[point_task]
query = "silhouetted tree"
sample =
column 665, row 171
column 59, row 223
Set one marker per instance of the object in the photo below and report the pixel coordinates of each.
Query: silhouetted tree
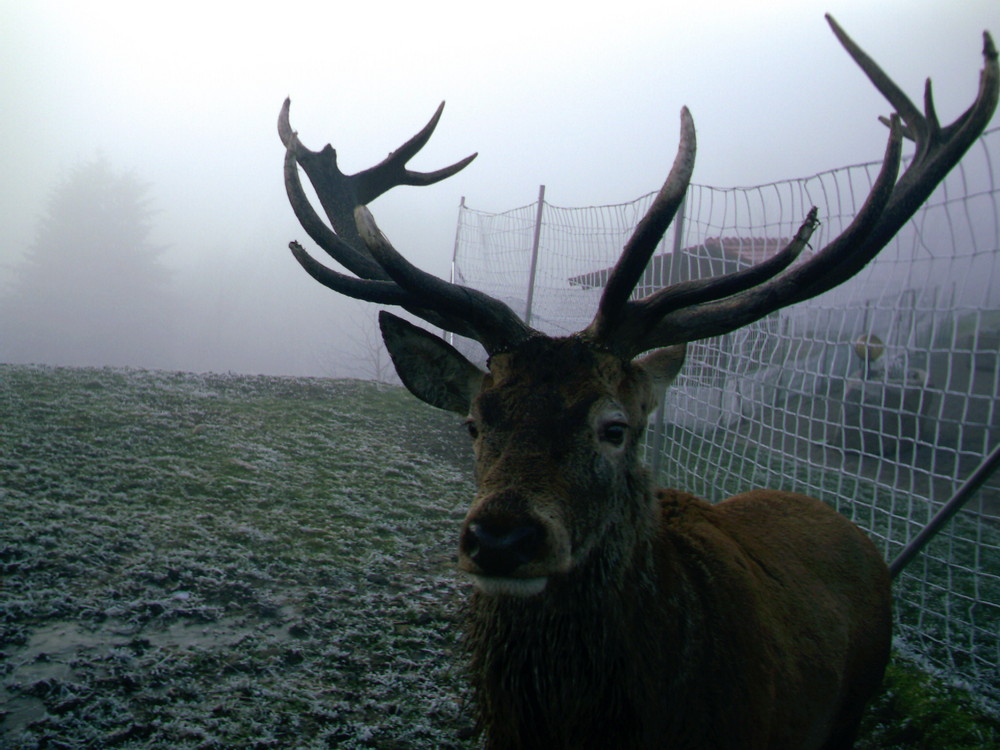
column 358, row 350
column 370, row 352
column 91, row 290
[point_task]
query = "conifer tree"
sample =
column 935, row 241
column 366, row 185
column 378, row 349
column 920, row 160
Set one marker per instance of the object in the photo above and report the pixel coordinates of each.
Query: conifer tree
column 91, row 290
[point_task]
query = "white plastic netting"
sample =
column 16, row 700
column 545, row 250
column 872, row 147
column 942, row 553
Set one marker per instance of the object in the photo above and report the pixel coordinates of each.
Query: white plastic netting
column 879, row 397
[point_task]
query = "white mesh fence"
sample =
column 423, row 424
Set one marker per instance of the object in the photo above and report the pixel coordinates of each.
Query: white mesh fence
column 885, row 428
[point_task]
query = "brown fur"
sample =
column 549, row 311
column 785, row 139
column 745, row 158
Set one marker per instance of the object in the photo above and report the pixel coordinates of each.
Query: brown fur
column 665, row 622
column 609, row 614
column 761, row 622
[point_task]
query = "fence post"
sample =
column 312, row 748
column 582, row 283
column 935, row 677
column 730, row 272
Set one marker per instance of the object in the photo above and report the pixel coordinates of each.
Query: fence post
column 983, row 472
column 657, row 446
column 448, row 335
column 534, row 255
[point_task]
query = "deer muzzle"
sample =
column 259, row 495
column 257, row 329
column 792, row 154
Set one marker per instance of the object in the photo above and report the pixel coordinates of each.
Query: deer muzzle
column 507, row 551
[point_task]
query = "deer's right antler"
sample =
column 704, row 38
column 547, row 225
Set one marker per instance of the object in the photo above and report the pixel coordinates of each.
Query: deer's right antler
column 382, row 275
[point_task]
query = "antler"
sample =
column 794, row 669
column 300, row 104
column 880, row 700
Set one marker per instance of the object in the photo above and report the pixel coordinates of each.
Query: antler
column 382, row 275
column 697, row 310
column 683, row 312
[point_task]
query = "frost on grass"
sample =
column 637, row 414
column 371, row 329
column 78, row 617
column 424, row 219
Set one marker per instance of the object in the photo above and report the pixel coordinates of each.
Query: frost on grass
column 200, row 561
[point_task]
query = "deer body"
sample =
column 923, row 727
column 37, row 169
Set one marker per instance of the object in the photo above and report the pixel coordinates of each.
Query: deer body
column 660, row 620
column 658, row 661
column 608, row 614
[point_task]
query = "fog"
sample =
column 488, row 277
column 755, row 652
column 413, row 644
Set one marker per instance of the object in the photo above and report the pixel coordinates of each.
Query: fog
column 184, row 97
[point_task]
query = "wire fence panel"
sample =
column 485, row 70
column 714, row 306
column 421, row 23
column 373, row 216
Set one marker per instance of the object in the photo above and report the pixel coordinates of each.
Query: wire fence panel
column 879, row 397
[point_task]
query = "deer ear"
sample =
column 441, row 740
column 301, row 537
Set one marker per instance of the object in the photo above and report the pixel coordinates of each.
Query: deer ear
column 432, row 369
column 664, row 364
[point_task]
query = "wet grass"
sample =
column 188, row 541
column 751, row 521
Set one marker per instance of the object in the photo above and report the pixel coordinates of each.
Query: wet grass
column 917, row 712
column 201, row 561
column 219, row 561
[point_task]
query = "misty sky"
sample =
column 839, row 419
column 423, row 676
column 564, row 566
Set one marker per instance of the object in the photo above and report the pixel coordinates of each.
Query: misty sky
column 586, row 101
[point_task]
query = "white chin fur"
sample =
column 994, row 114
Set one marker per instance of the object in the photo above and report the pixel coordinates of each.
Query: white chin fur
column 494, row 586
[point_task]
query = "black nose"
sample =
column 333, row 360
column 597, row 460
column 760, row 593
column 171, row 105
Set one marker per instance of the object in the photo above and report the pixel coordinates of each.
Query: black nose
column 499, row 547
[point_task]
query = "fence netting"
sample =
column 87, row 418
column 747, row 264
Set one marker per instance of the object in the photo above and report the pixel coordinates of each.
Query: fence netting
column 879, row 397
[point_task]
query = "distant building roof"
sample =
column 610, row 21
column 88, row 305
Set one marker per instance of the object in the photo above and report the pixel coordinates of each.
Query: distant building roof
column 713, row 257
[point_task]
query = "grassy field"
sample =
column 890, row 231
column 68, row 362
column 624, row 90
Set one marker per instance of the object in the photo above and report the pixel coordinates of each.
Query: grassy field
column 201, row 561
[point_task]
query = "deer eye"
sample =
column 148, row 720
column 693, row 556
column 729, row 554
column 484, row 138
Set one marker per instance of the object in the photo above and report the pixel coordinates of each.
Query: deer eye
column 470, row 425
column 613, row 433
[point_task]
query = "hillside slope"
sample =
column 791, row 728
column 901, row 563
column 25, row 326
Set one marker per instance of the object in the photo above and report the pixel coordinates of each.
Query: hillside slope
column 198, row 561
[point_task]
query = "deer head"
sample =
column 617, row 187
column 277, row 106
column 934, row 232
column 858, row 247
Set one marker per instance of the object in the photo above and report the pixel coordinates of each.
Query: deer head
column 556, row 422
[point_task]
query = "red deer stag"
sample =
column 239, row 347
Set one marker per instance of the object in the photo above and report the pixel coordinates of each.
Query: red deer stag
column 607, row 613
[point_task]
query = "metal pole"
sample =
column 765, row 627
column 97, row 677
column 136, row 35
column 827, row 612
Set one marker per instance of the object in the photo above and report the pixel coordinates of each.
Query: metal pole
column 534, row 255
column 448, row 335
column 983, row 472
column 657, row 446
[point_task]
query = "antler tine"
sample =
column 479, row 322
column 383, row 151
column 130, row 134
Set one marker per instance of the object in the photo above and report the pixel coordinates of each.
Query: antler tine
column 497, row 326
column 659, row 320
column 642, row 318
column 647, row 235
column 289, row 138
column 339, row 193
column 929, row 111
column 937, row 149
column 335, row 190
column 346, row 254
column 383, row 275
column 832, row 265
column 853, row 248
column 886, row 86
column 367, row 290
column 392, row 170
column 976, row 117
column 696, row 292
column 379, row 292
